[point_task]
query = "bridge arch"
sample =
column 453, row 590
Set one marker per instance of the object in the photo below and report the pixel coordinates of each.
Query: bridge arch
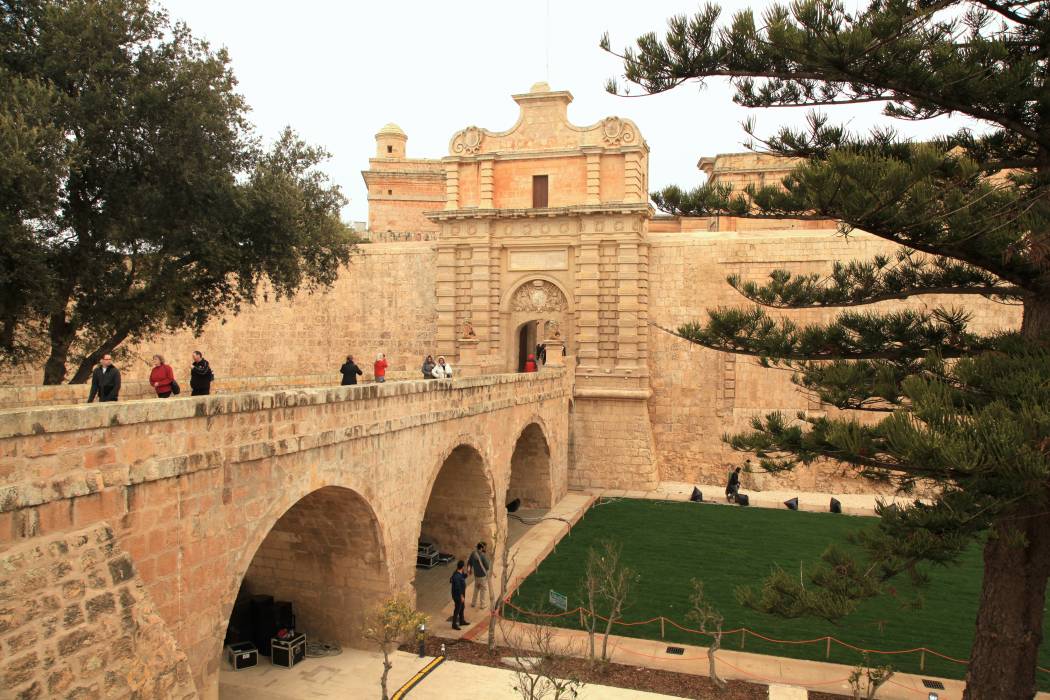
column 531, row 477
column 460, row 505
column 326, row 555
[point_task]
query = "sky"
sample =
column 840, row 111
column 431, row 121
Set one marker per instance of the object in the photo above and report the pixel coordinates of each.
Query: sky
column 337, row 71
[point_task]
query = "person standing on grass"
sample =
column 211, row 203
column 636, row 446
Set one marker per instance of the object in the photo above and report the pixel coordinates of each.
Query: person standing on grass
column 478, row 567
column 350, row 371
column 459, row 595
column 105, row 381
column 379, row 368
column 733, row 487
column 201, row 375
column 161, row 377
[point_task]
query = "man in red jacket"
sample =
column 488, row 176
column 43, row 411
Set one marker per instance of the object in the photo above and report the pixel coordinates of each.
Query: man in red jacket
column 380, row 368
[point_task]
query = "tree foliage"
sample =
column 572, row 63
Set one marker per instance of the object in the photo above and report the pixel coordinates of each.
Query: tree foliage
column 965, row 413
column 134, row 196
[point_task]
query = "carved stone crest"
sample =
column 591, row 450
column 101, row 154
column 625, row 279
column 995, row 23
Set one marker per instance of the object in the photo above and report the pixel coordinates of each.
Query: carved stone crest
column 616, row 131
column 467, row 141
column 538, row 296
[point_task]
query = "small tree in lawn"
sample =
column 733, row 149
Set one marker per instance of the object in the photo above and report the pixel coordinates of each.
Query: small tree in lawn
column 874, row 677
column 608, row 585
column 507, row 563
column 709, row 621
column 387, row 626
column 961, row 414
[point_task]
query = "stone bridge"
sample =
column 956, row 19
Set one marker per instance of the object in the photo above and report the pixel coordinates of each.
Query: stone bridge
column 127, row 530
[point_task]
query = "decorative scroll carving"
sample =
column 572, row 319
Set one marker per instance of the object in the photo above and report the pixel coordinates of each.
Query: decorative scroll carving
column 540, row 295
column 616, row 131
column 467, row 141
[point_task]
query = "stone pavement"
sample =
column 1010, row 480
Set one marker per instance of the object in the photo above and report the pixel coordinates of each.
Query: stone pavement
column 354, row 675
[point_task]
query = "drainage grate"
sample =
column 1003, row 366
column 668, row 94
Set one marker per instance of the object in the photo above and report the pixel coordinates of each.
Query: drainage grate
column 933, row 685
column 676, row 650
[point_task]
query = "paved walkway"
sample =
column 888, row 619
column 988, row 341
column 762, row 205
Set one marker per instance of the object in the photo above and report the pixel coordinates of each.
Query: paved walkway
column 354, row 675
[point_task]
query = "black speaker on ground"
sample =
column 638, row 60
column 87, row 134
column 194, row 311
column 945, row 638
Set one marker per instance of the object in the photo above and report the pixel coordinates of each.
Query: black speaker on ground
column 697, row 496
column 836, row 505
column 514, row 505
column 283, row 617
column 792, row 503
column 263, row 630
column 240, row 629
column 742, row 499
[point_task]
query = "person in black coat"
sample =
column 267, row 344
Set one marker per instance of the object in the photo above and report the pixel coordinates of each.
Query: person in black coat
column 350, row 371
column 105, row 381
column 459, row 595
column 201, row 375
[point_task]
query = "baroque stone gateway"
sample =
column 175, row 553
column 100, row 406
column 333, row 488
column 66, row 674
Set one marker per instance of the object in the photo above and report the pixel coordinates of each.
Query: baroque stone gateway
column 127, row 530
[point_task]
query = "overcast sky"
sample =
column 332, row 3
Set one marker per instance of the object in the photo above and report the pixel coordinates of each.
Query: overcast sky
column 337, row 71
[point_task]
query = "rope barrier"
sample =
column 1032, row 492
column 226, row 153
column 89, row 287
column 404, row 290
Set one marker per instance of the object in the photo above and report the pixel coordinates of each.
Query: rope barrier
column 745, row 631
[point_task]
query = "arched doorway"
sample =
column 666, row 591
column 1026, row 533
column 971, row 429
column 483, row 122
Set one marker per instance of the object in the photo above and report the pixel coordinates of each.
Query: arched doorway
column 460, row 512
column 530, row 470
column 536, row 310
column 324, row 556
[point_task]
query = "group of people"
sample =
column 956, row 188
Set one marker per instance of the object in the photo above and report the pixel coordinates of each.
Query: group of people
column 105, row 379
column 478, row 566
column 431, row 369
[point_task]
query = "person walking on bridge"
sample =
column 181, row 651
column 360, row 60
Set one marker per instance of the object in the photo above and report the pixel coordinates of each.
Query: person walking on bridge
column 442, row 370
column 379, row 368
column 201, row 375
column 162, row 378
column 350, row 371
column 105, row 381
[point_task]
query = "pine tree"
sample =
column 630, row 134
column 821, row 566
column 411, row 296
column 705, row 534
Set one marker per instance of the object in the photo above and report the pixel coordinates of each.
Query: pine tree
column 966, row 416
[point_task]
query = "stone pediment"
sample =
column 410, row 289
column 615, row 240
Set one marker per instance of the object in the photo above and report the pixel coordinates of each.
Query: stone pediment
column 543, row 125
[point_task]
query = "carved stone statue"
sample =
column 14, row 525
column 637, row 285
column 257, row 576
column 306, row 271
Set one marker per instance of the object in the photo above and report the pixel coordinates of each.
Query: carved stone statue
column 468, row 330
column 552, row 330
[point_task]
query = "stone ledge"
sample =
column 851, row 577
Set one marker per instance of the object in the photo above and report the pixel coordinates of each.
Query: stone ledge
column 56, row 419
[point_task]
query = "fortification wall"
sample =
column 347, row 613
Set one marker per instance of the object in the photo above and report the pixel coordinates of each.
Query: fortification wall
column 700, row 394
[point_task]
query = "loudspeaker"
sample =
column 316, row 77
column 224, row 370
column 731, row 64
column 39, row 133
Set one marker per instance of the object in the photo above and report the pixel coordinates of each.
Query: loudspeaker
column 742, row 499
column 792, row 504
column 836, row 505
column 697, row 496
column 514, row 505
column 262, row 613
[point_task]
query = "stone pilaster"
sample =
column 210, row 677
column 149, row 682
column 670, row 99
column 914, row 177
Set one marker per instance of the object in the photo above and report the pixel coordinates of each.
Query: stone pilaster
column 452, row 185
column 485, row 183
column 587, row 321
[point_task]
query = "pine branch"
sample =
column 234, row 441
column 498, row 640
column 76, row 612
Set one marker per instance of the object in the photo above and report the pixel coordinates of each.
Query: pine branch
column 899, row 335
column 858, row 283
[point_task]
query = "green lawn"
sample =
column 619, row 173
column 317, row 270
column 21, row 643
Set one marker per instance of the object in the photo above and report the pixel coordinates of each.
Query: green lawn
column 670, row 542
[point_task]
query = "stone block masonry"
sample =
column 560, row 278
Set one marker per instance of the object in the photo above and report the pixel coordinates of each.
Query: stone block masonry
column 198, row 495
column 75, row 621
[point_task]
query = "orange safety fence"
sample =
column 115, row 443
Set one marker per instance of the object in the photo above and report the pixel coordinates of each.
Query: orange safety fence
column 744, row 631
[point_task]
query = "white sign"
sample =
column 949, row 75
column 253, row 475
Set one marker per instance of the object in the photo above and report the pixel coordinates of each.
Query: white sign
column 558, row 600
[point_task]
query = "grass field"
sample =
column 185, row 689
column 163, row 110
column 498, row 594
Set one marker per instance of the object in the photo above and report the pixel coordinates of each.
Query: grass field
column 670, row 542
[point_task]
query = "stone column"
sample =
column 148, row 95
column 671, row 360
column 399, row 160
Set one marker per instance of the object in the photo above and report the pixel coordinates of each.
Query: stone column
column 594, row 174
column 587, row 303
column 446, row 299
column 468, row 361
column 485, row 182
column 451, row 184
column 554, row 348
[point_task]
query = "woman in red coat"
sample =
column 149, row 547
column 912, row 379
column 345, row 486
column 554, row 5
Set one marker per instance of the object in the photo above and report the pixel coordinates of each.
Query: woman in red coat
column 530, row 364
column 379, row 368
column 161, row 377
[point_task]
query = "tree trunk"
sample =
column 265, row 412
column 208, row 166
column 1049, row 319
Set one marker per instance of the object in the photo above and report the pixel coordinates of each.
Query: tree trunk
column 87, row 365
column 1010, row 617
column 716, row 643
column 386, row 671
column 61, row 336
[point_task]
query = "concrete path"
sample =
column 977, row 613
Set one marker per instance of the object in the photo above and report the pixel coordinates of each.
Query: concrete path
column 354, row 675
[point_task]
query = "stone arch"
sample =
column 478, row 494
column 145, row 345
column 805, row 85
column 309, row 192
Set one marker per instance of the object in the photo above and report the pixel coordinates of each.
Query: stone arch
column 325, row 554
column 531, row 473
column 460, row 504
column 526, row 316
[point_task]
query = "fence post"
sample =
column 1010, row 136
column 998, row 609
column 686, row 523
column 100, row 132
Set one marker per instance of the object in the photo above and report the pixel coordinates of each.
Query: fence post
column 743, row 636
column 661, row 627
column 827, row 654
column 922, row 660
column 582, row 623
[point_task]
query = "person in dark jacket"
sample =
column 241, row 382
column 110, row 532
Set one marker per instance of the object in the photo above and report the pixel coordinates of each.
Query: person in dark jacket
column 428, row 367
column 459, row 595
column 733, row 487
column 201, row 375
column 105, row 381
column 350, row 371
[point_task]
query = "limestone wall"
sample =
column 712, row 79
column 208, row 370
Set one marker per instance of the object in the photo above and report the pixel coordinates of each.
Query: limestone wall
column 699, row 394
